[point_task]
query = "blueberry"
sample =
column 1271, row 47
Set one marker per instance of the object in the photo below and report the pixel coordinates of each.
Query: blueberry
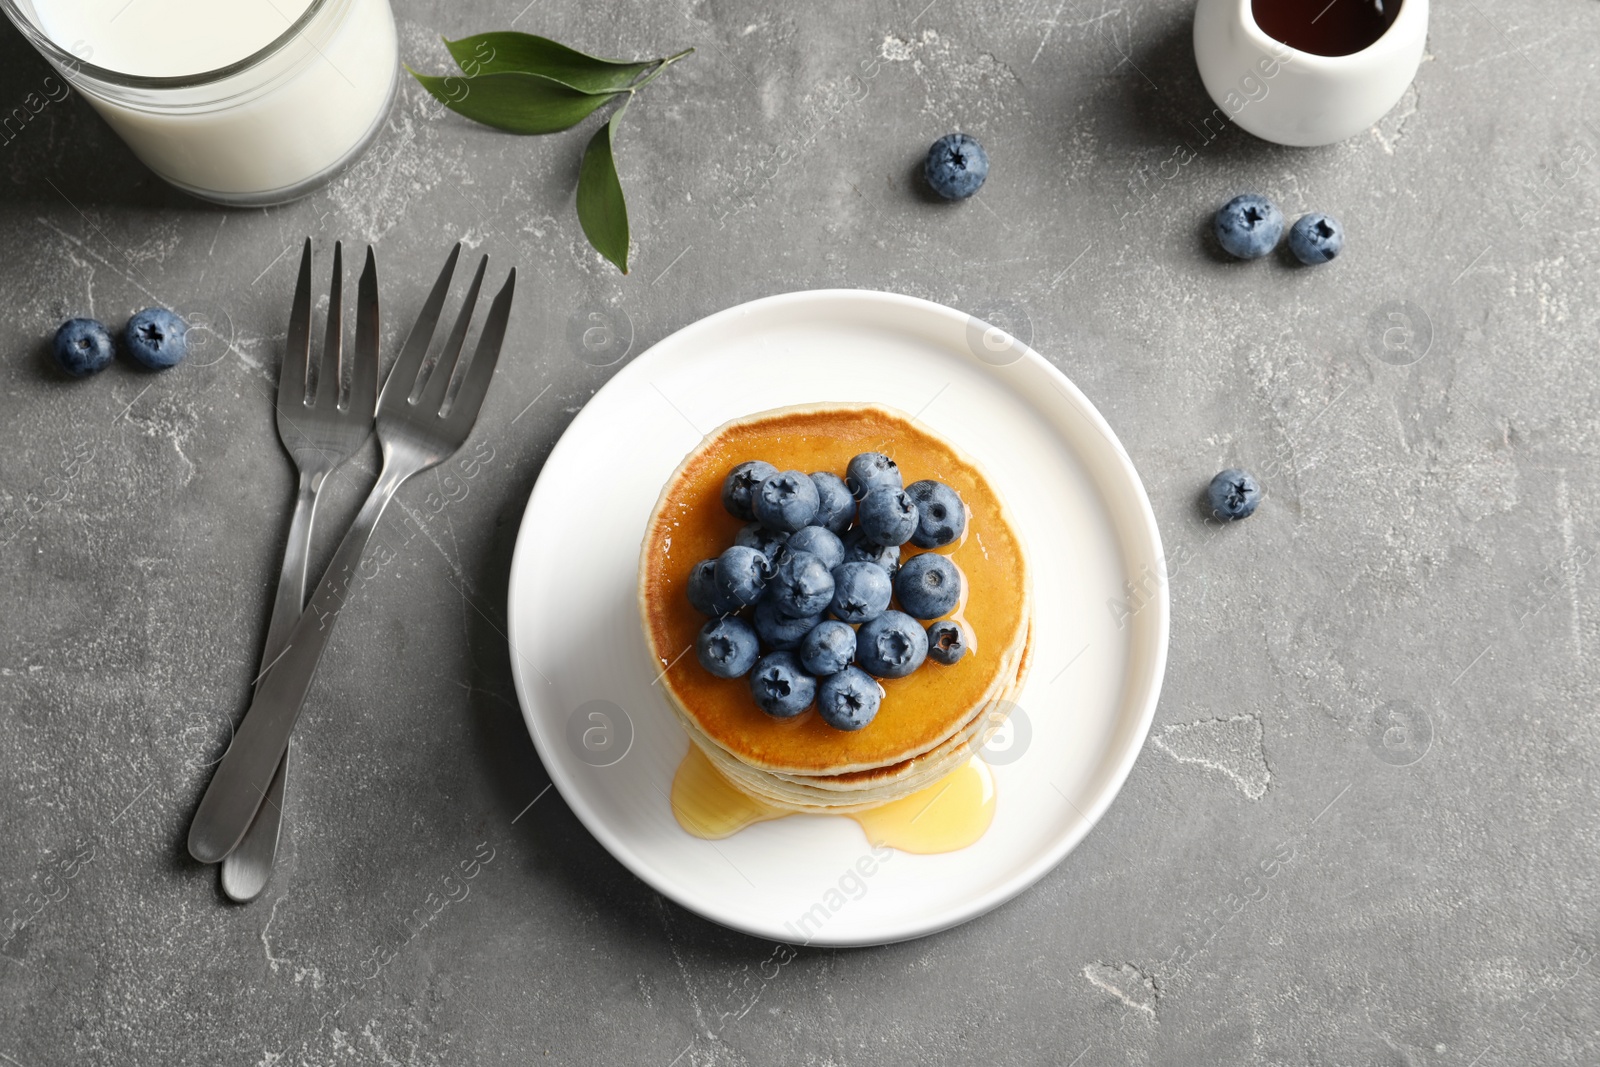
column 780, row 631
column 835, row 506
column 704, row 595
column 740, row 484
column 956, row 166
column 941, row 516
column 786, row 501
column 756, row 536
column 820, row 542
column 1248, row 226
column 1233, row 494
column 801, row 586
column 1316, row 238
column 928, row 586
column 848, row 700
column 892, row 645
column 82, row 347
column 156, row 338
column 742, row 574
column 727, row 647
column 828, row 648
column 781, row 686
column 888, row 517
column 861, row 591
column 870, row 470
column 858, row 548
column 947, row 641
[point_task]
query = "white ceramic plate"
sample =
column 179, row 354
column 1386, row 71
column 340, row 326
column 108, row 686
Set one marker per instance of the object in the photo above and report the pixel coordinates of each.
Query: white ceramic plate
column 584, row 676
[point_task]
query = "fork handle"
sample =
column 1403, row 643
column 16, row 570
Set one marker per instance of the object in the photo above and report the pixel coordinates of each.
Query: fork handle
column 248, row 867
column 245, row 773
column 290, row 599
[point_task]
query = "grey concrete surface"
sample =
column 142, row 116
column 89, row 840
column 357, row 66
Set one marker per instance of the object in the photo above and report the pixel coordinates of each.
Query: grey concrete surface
column 1363, row 830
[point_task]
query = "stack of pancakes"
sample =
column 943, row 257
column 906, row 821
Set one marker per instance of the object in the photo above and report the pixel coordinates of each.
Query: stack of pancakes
column 930, row 722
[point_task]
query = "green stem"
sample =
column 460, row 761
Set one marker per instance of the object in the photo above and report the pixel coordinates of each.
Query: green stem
column 654, row 74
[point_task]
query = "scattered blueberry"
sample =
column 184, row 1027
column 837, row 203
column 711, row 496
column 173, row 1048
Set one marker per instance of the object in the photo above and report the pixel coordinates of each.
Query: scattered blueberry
column 835, row 506
column 1316, row 238
column 156, row 338
column 781, row 686
column 892, row 645
column 786, row 501
column 947, row 641
column 828, row 648
column 779, row 630
column 861, row 591
column 956, row 166
column 742, row 574
column 704, row 595
column 756, row 536
column 887, row 516
column 820, row 542
column 801, row 586
column 1233, row 494
column 928, row 586
column 859, row 549
column 82, row 347
column 941, row 516
column 870, row 470
column 727, row 647
column 1248, row 226
column 849, row 699
column 740, row 484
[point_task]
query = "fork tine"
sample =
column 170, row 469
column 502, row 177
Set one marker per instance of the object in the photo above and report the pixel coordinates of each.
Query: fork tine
column 433, row 393
column 474, row 386
column 364, row 371
column 330, row 365
column 292, row 376
column 402, row 378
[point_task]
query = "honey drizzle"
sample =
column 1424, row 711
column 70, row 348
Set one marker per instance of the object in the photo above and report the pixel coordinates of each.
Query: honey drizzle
column 948, row 815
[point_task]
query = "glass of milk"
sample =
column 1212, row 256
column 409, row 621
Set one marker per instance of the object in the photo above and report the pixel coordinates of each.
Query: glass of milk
column 237, row 101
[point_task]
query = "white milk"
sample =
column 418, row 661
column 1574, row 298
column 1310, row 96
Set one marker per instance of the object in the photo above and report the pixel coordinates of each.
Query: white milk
column 265, row 133
column 167, row 38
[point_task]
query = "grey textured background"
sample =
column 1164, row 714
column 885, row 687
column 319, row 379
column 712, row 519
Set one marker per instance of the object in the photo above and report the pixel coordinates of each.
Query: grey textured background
column 1363, row 830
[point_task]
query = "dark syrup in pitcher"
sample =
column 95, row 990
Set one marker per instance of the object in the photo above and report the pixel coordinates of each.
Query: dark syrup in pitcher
column 1325, row 27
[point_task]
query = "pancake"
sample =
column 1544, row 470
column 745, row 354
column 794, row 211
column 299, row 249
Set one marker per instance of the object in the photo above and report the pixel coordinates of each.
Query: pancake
column 843, row 794
column 930, row 720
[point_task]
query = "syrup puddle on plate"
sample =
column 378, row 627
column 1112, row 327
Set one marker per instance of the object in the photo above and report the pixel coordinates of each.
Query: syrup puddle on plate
column 948, row 815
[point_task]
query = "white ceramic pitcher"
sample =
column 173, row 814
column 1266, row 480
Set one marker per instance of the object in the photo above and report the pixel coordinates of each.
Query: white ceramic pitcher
column 1292, row 97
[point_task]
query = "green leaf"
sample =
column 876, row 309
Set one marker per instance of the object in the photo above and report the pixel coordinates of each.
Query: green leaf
column 507, row 52
column 602, row 210
column 518, row 102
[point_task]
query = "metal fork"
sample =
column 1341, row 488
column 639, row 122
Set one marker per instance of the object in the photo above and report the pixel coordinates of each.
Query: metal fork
column 319, row 436
column 419, row 427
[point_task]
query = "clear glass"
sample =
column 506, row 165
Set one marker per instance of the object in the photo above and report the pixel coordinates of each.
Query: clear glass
column 267, row 129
